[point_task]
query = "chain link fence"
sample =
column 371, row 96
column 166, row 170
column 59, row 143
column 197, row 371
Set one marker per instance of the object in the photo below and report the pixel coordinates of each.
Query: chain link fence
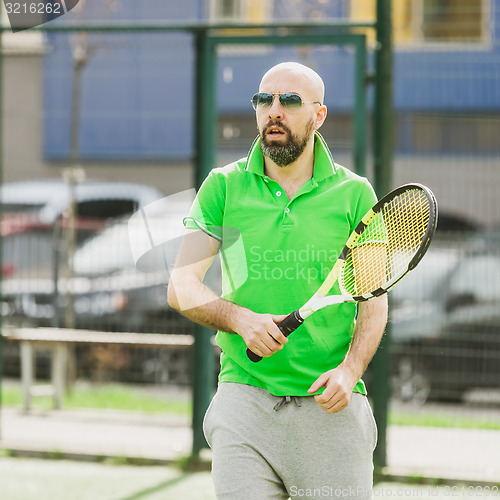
column 119, row 107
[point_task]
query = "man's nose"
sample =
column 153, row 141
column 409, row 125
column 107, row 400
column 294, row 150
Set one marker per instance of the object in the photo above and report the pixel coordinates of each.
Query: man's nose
column 276, row 109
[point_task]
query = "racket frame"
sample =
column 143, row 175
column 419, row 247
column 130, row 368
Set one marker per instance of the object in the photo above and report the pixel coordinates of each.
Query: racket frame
column 312, row 304
column 320, row 299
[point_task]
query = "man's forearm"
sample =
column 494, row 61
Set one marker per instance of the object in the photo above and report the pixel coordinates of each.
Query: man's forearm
column 193, row 299
column 200, row 304
column 372, row 319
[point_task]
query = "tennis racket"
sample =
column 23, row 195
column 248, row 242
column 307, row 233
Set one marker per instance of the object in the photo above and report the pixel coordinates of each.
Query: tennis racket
column 386, row 245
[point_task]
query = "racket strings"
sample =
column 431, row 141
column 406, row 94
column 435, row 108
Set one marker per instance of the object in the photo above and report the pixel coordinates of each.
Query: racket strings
column 389, row 242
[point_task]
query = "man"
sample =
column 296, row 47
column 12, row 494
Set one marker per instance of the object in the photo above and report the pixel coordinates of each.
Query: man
column 297, row 424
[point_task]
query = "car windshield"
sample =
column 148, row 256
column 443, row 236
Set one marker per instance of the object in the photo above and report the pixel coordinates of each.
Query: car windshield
column 13, row 208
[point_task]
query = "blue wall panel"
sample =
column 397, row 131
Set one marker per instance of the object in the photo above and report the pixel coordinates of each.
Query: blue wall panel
column 137, row 100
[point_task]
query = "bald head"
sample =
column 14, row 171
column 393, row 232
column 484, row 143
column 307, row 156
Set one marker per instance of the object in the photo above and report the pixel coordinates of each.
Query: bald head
column 294, row 77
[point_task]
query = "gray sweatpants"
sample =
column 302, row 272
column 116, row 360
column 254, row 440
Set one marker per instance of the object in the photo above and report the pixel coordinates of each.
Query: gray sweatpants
column 267, row 447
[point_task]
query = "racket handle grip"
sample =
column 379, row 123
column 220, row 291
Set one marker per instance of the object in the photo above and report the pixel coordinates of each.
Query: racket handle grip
column 291, row 323
column 287, row 326
column 252, row 356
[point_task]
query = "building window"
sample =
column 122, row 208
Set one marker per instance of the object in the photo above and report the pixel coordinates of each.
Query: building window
column 452, row 20
column 241, row 12
column 431, row 21
column 248, row 11
column 227, row 9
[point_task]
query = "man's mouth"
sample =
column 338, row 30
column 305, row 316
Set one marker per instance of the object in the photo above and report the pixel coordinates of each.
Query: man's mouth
column 275, row 132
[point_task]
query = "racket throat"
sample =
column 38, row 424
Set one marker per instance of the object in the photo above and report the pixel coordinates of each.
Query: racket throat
column 318, row 301
column 312, row 305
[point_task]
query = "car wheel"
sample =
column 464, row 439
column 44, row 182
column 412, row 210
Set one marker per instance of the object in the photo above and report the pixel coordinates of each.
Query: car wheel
column 410, row 382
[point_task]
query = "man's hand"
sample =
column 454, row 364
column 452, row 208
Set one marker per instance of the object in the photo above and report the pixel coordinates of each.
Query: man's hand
column 339, row 384
column 260, row 333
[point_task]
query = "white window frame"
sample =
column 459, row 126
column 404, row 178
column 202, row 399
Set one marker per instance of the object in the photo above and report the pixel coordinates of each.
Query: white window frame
column 27, row 42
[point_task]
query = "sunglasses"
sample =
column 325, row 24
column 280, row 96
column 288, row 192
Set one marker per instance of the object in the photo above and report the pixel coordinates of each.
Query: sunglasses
column 290, row 101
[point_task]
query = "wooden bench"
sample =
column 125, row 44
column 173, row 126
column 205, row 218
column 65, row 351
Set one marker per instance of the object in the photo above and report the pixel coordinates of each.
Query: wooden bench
column 57, row 340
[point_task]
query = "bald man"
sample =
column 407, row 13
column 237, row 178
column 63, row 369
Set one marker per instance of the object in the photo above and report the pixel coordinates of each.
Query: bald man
column 298, row 423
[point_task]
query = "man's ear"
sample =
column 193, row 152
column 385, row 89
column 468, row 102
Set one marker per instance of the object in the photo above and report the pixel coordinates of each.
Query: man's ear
column 320, row 117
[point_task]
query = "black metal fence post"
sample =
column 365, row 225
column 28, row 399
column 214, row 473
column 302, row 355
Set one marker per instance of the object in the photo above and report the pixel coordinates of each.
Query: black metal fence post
column 383, row 151
column 205, row 139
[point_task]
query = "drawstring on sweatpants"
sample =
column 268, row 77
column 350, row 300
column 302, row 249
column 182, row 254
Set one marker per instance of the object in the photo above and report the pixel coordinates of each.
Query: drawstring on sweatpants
column 285, row 400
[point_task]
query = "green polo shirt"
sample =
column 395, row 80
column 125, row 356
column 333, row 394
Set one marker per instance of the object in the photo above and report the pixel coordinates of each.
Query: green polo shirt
column 275, row 254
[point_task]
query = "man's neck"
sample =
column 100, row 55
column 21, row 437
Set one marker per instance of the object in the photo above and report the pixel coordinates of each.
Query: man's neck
column 293, row 176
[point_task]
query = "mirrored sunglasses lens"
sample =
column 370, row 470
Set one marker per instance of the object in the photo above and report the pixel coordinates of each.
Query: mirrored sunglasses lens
column 262, row 99
column 292, row 102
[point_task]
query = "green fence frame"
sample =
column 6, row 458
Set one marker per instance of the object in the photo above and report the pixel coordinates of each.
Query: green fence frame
column 382, row 147
column 207, row 92
column 205, row 38
column 205, row 134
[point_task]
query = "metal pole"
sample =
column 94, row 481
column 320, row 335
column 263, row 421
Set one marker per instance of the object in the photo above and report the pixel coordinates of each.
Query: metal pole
column 205, row 136
column 360, row 107
column 383, row 106
column 382, row 150
column 1, row 178
column 202, row 27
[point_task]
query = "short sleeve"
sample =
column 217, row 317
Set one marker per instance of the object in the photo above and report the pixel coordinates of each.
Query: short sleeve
column 366, row 199
column 207, row 211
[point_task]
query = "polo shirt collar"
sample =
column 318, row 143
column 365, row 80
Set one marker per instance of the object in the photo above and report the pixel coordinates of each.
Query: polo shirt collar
column 324, row 164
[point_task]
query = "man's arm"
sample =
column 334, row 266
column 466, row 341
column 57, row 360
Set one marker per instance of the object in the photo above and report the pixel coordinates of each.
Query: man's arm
column 339, row 382
column 190, row 296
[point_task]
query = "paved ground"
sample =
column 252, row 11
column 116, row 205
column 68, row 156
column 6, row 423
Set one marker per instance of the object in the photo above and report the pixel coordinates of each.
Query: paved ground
column 88, row 433
column 462, row 457
column 35, row 479
column 454, row 454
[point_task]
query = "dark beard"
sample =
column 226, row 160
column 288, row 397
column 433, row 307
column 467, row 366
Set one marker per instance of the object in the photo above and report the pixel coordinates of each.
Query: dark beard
column 290, row 151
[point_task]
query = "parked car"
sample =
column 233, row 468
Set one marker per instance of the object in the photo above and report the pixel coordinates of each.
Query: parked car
column 33, row 222
column 107, row 289
column 446, row 329
column 47, row 199
column 118, row 283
